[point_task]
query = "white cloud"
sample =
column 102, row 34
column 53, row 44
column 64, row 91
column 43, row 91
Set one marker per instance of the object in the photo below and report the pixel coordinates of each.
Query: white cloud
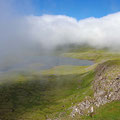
column 22, row 36
column 52, row 30
column 19, row 32
column 30, row 33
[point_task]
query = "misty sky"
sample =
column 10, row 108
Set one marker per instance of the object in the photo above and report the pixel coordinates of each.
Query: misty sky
column 27, row 26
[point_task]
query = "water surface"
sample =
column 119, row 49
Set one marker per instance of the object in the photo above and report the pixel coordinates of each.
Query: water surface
column 44, row 62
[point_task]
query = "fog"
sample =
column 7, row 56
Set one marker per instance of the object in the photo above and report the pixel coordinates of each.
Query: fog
column 24, row 35
column 52, row 30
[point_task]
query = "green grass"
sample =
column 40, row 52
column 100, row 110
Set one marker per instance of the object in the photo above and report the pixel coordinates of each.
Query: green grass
column 36, row 96
column 96, row 55
column 63, row 70
column 109, row 111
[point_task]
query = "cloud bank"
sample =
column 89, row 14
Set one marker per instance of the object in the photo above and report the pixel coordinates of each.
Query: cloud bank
column 52, row 30
column 30, row 34
column 22, row 36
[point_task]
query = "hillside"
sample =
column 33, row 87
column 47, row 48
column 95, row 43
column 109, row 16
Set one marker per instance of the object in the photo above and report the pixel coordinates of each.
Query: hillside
column 105, row 84
column 65, row 92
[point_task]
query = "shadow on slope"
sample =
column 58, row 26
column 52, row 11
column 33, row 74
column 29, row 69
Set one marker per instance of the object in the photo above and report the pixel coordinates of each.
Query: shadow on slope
column 35, row 97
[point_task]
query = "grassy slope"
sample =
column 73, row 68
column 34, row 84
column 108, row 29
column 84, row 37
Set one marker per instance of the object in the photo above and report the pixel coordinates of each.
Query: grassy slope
column 96, row 55
column 63, row 70
column 50, row 95
column 110, row 111
column 35, row 96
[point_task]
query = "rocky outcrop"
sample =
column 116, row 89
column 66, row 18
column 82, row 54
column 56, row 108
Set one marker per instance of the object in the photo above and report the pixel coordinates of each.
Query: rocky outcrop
column 106, row 88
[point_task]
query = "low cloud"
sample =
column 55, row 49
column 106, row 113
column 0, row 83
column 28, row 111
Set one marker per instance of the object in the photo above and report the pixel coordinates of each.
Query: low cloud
column 52, row 30
column 24, row 35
